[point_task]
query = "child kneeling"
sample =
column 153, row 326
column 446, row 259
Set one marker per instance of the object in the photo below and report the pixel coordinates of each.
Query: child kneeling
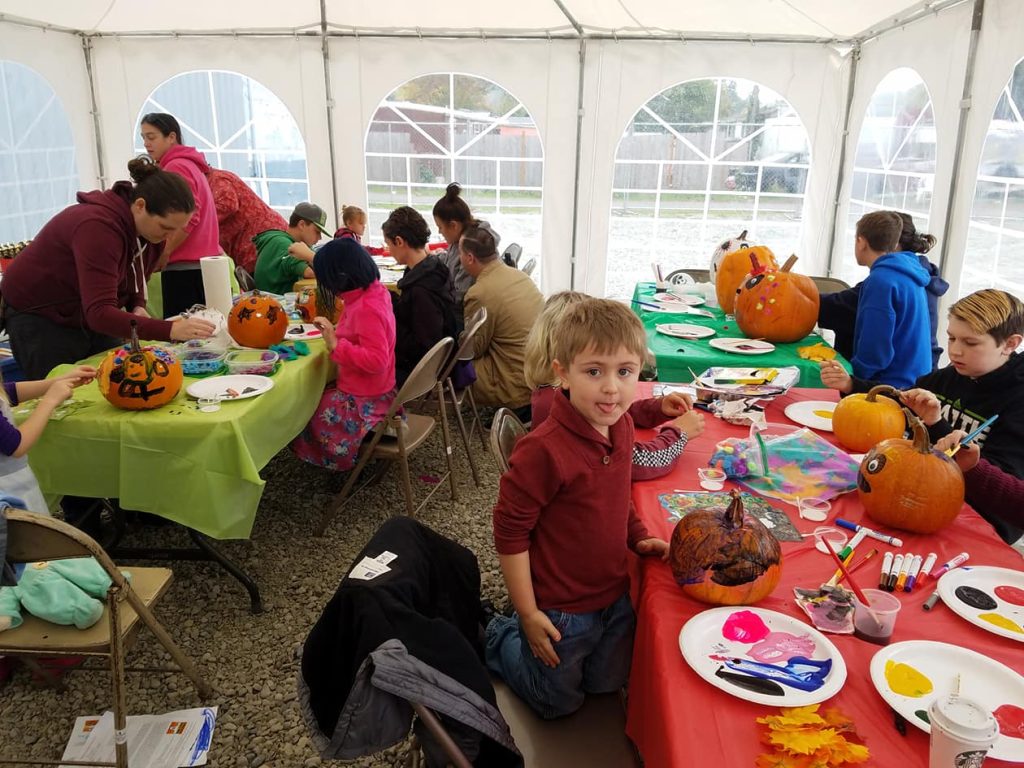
column 564, row 519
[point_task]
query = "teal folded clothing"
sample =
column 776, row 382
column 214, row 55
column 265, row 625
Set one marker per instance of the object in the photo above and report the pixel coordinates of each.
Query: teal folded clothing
column 46, row 593
column 10, row 608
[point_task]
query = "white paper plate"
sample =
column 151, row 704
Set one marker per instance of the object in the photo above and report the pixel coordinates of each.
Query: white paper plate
column 689, row 299
column 300, row 331
column 808, row 413
column 998, row 584
column 985, row 680
column 743, row 346
column 664, row 307
column 685, row 330
column 218, row 386
column 703, row 638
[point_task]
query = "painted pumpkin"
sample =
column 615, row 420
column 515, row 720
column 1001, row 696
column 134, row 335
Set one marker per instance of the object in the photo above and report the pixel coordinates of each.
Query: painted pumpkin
column 776, row 304
column 861, row 422
column 733, row 270
column 139, row 378
column 257, row 320
column 725, row 557
column 726, row 247
column 906, row 484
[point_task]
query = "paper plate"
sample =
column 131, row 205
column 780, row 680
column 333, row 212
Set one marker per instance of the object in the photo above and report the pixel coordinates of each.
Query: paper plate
column 685, row 330
column 762, row 656
column 743, row 346
column 665, row 307
column 301, row 331
column 689, row 299
column 222, row 386
column 988, row 597
column 816, row 414
column 917, row 665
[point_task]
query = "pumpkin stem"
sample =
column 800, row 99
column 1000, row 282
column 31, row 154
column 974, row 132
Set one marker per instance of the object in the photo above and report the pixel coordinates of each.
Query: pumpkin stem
column 743, row 235
column 883, row 389
column 921, row 442
column 789, row 263
column 755, row 267
column 734, row 514
column 135, row 337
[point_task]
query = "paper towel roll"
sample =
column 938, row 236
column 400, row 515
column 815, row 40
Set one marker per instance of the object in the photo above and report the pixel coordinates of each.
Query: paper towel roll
column 217, row 282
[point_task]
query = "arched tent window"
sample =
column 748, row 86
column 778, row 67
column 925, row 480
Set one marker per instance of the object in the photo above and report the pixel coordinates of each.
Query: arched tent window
column 446, row 127
column 698, row 163
column 996, row 234
column 894, row 168
column 38, row 176
column 240, row 126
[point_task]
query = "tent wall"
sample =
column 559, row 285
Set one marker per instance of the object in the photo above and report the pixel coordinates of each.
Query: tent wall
column 622, row 76
column 128, row 70
column 541, row 74
column 58, row 58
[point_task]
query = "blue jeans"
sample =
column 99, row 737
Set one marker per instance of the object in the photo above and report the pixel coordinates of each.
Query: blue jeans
column 595, row 654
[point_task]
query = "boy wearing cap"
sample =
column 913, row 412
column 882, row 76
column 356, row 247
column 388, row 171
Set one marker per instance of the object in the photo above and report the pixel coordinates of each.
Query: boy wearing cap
column 282, row 257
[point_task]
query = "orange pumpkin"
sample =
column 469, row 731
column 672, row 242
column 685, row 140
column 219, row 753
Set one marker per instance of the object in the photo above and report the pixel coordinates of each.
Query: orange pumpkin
column 733, row 270
column 725, row 557
column 724, row 248
column 776, row 304
column 139, row 378
column 906, row 484
column 257, row 320
column 861, row 422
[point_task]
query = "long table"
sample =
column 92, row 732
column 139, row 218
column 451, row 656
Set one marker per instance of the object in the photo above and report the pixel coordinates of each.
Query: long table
column 201, row 470
column 677, row 719
column 675, row 357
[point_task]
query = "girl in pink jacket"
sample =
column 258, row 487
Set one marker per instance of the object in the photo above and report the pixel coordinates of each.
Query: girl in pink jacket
column 363, row 347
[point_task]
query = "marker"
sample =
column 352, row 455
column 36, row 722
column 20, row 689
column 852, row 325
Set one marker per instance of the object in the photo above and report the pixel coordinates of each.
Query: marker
column 883, row 577
column 956, row 562
column 901, row 581
column 926, row 569
column 931, row 601
column 873, row 534
column 858, row 537
column 915, row 569
column 897, row 563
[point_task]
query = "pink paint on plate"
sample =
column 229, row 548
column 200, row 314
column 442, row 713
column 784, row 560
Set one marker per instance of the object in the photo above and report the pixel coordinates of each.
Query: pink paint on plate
column 782, row 646
column 744, row 627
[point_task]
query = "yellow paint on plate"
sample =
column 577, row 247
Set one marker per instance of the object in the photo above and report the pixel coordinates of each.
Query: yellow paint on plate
column 906, row 681
column 1001, row 621
column 823, row 414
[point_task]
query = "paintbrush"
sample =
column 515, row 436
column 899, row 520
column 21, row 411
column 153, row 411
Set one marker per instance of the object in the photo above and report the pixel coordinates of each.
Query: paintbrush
column 853, row 585
column 645, row 304
column 860, row 563
column 952, row 451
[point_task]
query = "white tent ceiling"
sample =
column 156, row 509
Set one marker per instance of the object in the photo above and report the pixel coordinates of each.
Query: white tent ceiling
column 756, row 19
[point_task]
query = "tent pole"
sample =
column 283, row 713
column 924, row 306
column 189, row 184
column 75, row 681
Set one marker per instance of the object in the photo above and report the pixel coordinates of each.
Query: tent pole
column 841, row 170
column 329, row 98
column 95, row 110
column 977, row 16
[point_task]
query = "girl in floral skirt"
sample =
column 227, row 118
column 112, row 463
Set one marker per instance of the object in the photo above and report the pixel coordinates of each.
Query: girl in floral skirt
column 363, row 347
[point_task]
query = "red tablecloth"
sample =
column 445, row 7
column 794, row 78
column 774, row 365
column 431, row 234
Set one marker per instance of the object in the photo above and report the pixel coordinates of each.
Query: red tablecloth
column 676, row 719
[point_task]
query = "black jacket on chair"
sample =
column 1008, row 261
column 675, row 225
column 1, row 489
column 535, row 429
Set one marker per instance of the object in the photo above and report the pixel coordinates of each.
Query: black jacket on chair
column 424, row 313
column 430, row 602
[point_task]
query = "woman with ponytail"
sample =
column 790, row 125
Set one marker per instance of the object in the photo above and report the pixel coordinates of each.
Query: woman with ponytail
column 452, row 216
column 78, row 286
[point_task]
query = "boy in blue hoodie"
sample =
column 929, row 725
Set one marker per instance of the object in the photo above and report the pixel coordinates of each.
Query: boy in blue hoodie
column 891, row 340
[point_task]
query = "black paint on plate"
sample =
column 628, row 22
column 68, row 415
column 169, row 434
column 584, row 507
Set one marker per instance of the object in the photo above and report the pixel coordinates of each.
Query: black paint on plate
column 976, row 598
column 755, row 684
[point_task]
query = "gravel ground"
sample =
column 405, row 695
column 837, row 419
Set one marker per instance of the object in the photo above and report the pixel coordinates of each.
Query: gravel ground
column 252, row 660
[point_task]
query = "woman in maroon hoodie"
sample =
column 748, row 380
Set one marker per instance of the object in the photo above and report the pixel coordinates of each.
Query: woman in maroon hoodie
column 75, row 290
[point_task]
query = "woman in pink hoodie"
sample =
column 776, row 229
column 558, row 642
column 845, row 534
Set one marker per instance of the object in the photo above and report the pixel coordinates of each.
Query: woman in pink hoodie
column 363, row 347
column 182, row 281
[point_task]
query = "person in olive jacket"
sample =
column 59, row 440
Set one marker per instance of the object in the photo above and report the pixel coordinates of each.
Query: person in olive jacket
column 425, row 305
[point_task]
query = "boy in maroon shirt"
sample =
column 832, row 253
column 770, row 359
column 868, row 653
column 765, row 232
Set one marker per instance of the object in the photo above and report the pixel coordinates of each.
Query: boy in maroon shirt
column 564, row 519
column 988, row 488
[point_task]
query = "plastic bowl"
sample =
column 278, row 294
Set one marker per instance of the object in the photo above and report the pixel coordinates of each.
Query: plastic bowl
column 251, row 361
column 200, row 361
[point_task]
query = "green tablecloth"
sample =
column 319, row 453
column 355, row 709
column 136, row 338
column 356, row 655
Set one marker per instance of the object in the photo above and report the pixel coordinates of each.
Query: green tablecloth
column 675, row 357
column 199, row 469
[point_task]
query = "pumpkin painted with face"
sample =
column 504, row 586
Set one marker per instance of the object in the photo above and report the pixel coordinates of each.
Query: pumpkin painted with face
column 733, row 270
column 906, row 484
column 258, row 321
column 775, row 304
column 725, row 557
column 138, row 378
column 727, row 246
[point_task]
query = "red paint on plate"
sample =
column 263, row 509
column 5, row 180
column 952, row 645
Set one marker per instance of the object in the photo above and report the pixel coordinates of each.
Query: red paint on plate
column 1010, row 594
column 1011, row 721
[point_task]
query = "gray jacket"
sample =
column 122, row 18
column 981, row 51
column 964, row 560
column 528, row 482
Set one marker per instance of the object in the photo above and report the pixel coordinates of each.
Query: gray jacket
column 462, row 279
